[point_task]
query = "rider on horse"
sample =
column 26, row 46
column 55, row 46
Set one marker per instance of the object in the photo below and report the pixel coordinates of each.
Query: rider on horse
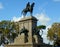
column 29, row 8
column 28, row 5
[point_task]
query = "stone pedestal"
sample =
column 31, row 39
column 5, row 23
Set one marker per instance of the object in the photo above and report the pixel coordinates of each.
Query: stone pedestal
column 30, row 24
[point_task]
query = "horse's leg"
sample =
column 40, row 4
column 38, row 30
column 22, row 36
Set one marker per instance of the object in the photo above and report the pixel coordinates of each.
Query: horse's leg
column 31, row 10
column 24, row 14
column 30, row 13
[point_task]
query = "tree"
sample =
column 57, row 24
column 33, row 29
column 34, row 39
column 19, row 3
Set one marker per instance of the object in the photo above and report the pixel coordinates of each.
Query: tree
column 54, row 32
column 8, row 29
column 40, row 27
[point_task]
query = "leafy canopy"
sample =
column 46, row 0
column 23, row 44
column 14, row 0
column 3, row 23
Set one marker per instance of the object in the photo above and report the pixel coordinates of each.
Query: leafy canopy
column 54, row 29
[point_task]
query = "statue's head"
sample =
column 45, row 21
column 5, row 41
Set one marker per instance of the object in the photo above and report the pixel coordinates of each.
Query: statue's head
column 28, row 2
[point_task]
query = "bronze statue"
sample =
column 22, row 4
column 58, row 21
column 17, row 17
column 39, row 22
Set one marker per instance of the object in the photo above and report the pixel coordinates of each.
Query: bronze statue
column 29, row 8
column 25, row 31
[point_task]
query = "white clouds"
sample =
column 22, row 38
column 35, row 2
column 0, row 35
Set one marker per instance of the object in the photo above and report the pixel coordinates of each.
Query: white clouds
column 16, row 19
column 45, row 31
column 2, row 45
column 1, row 6
column 42, row 18
column 56, row 0
column 45, row 40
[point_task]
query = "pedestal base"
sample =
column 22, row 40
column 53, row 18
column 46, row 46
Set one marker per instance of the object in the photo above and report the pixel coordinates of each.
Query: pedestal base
column 23, row 45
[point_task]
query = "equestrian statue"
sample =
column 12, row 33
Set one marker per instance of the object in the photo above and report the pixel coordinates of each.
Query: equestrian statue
column 29, row 8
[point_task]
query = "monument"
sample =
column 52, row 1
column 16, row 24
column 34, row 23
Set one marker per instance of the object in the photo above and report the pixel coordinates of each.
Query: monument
column 28, row 34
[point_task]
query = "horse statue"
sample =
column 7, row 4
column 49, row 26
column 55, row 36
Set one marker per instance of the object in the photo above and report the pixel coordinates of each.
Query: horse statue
column 29, row 8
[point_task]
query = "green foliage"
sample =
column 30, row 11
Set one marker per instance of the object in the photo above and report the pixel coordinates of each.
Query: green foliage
column 41, row 27
column 51, row 31
column 7, row 28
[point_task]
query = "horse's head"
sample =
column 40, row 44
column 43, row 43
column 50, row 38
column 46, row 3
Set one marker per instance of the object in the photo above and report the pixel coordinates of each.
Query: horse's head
column 32, row 5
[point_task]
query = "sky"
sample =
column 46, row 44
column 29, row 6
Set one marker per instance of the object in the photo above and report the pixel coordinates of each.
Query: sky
column 46, row 11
